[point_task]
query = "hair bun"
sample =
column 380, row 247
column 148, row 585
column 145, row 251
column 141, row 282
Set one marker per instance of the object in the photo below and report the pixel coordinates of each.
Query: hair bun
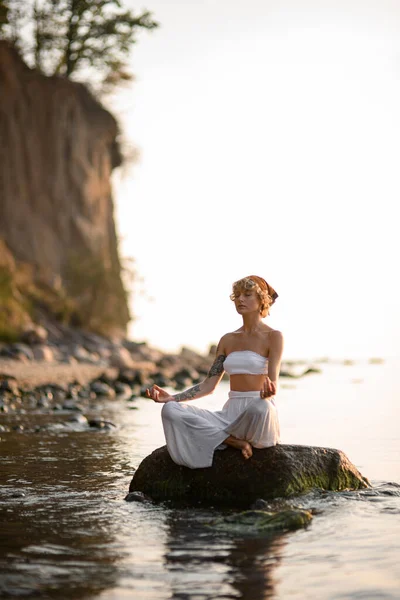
column 264, row 286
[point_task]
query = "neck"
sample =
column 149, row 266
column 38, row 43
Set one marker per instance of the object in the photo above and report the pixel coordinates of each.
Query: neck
column 251, row 323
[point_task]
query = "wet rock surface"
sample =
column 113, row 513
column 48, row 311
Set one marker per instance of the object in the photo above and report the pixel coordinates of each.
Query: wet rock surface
column 262, row 522
column 137, row 497
column 279, row 472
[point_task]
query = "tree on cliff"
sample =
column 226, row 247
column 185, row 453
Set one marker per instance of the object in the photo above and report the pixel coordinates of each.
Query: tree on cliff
column 74, row 38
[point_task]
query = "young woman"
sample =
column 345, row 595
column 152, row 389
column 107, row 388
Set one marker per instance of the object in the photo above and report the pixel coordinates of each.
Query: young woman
column 251, row 356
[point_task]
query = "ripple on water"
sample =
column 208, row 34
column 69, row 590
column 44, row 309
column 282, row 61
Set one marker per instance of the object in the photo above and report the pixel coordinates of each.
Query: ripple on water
column 71, row 535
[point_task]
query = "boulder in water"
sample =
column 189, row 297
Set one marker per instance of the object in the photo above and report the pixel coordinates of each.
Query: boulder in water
column 261, row 521
column 277, row 472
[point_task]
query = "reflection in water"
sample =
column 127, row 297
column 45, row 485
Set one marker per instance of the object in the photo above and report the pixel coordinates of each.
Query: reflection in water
column 208, row 565
column 254, row 562
column 72, row 535
column 61, row 530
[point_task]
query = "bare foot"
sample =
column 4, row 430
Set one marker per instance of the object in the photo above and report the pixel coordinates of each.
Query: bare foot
column 247, row 450
column 242, row 445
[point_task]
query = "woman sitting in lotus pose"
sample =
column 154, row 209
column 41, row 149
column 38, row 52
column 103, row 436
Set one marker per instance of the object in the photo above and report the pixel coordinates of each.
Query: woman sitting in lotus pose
column 251, row 356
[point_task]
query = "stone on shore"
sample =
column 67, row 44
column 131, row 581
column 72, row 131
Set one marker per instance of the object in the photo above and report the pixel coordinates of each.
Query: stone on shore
column 277, row 472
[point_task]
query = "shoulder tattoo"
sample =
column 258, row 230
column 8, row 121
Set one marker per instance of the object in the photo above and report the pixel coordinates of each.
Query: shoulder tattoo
column 217, row 368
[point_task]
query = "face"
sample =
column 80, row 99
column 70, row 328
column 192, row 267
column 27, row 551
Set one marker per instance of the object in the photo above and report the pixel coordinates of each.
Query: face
column 247, row 301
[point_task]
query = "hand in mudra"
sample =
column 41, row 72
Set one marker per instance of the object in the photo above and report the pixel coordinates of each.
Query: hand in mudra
column 158, row 394
column 268, row 389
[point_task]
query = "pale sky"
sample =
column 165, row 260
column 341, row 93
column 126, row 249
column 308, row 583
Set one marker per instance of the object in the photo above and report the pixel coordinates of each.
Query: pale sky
column 269, row 136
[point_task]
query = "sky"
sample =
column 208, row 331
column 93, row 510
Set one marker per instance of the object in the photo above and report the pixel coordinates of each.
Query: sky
column 267, row 135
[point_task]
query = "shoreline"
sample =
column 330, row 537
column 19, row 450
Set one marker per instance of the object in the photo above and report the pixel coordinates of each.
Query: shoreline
column 37, row 373
column 64, row 356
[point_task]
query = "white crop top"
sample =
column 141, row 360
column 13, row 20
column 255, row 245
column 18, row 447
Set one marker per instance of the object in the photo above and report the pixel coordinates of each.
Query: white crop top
column 246, row 362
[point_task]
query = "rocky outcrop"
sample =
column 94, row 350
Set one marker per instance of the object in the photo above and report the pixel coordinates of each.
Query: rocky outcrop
column 58, row 149
column 279, row 471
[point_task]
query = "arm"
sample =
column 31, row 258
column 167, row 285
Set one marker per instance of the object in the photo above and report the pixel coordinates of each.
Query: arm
column 274, row 364
column 206, row 387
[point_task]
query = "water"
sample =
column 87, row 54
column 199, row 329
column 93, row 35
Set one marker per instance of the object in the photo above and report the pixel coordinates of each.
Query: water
column 72, row 535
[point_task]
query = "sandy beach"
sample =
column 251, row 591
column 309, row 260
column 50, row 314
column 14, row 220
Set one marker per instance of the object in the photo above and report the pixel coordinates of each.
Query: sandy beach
column 35, row 373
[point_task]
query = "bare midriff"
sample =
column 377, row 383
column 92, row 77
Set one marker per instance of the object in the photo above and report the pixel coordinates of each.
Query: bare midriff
column 246, row 383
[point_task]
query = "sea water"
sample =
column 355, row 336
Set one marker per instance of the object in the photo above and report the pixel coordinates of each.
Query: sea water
column 66, row 531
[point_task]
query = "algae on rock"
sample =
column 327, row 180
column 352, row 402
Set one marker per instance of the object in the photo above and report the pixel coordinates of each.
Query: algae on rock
column 277, row 472
column 260, row 521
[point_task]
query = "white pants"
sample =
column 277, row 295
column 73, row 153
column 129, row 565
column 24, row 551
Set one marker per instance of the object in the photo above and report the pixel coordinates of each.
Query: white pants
column 193, row 433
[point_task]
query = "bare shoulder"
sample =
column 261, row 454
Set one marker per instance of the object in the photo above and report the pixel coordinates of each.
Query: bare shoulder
column 275, row 334
column 222, row 344
column 276, row 343
column 270, row 333
column 275, row 337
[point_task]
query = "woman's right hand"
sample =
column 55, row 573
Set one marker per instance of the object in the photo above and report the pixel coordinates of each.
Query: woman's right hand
column 158, row 394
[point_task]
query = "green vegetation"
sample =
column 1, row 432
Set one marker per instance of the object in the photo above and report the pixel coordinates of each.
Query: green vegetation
column 99, row 293
column 72, row 38
column 91, row 296
column 14, row 308
column 22, row 294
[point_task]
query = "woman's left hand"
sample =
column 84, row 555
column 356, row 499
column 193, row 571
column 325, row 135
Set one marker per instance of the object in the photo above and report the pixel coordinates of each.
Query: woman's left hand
column 268, row 389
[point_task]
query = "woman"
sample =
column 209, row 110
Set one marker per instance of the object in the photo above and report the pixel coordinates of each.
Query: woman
column 251, row 356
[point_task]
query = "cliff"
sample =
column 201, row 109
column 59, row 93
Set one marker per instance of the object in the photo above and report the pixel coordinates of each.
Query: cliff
column 57, row 152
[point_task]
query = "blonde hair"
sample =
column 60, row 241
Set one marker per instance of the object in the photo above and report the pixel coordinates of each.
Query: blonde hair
column 266, row 294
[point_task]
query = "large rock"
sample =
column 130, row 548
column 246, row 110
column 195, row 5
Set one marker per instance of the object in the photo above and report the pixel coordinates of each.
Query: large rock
column 35, row 334
column 279, row 471
column 121, row 358
column 43, row 352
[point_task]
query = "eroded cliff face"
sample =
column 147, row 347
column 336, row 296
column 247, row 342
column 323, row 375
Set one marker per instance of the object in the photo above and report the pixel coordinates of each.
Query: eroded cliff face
column 58, row 147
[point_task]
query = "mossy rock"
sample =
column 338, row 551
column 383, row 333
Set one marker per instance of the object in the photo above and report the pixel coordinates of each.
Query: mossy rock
column 262, row 522
column 277, row 472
